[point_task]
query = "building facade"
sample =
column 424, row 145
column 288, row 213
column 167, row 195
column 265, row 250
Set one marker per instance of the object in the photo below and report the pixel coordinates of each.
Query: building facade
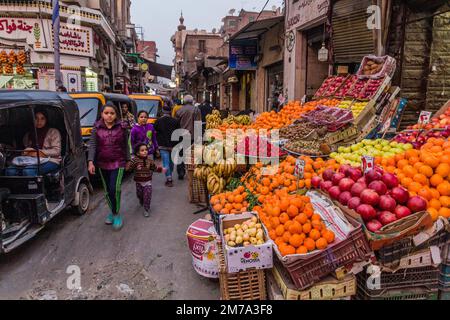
column 92, row 47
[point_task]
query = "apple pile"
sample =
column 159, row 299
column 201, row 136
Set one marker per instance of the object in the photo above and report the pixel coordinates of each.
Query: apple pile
column 418, row 138
column 441, row 122
column 334, row 86
column 342, row 92
column 357, row 89
column 324, row 87
column 377, row 197
column 372, row 88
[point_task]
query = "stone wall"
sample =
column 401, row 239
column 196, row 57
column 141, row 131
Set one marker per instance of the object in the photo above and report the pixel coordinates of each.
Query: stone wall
column 438, row 91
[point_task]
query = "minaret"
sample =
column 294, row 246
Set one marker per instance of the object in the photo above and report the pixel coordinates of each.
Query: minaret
column 181, row 26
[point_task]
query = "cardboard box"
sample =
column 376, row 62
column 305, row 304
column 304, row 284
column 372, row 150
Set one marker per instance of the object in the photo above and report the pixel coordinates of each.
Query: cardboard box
column 245, row 258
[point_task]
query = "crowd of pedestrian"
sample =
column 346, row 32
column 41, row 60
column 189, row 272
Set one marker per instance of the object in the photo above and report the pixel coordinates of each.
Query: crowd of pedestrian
column 119, row 143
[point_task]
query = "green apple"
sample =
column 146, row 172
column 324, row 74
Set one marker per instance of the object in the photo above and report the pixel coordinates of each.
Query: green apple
column 386, row 149
column 341, row 149
column 384, row 143
column 394, row 144
column 408, row 146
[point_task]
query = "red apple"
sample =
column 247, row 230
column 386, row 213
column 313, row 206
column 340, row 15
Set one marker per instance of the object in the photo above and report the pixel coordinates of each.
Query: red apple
column 367, row 212
column 346, row 184
column 357, row 189
column 345, row 197
column 354, row 203
column 379, row 187
column 387, row 203
column 344, row 169
column 417, row 204
column 400, row 195
column 387, row 217
column 374, row 226
column 337, row 177
column 354, row 174
column 390, row 180
column 402, row 212
column 328, row 175
column 334, row 192
column 370, row 197
column 373, row 175
column 326, row 185
column 316, row 181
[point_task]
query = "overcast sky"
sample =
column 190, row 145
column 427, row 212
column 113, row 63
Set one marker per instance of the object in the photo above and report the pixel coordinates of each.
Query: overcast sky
column 160, row 17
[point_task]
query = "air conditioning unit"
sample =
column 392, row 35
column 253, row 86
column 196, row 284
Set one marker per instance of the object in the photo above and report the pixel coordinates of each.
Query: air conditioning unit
column 130, row 65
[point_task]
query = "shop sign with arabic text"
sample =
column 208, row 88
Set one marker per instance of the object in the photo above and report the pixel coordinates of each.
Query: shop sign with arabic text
column 74, row 40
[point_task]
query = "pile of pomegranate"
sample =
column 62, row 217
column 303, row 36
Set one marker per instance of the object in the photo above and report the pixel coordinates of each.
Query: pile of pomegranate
column 377, row 197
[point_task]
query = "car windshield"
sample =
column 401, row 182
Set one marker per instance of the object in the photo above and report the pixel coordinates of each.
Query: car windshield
column 151, row 106
column 88, row 111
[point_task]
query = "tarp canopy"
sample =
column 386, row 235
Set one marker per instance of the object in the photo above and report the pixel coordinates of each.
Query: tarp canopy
column 256, row 28
column 159, row 70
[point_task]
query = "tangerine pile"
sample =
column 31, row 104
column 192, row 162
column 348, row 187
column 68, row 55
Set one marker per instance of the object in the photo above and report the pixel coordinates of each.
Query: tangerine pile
column 234, row 202
column 426, row 173
column 293, row 225
column 263, row 181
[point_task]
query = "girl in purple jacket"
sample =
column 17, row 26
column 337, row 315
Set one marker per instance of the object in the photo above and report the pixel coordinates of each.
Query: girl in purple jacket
column 144, row 133
column 109, row 151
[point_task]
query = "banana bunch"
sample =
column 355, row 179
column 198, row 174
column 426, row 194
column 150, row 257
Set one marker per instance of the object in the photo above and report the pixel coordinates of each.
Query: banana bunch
column 212, row 155
column 202, row 172
column 215, row 184
column 213, row 120
column 243, row 120
column 225, row 168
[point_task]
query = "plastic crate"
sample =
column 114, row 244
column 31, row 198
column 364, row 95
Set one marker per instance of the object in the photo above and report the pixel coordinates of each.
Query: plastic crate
column 248, row 285
column 306, row 270
column 427, row 277
column 393, row 253
column 401, row 294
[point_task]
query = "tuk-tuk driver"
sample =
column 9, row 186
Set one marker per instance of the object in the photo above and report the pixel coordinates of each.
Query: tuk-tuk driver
column 49, row 146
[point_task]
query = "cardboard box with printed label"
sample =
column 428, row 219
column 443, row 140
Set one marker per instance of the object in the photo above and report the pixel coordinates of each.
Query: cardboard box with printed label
column 240, row 259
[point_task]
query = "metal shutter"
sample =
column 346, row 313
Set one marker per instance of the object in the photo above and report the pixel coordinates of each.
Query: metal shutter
column 352, row 40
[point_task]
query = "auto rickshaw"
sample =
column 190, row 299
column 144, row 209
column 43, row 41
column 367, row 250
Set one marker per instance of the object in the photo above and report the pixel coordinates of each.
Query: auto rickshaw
column 28, row 203
column 90, row 105
column 152, row 104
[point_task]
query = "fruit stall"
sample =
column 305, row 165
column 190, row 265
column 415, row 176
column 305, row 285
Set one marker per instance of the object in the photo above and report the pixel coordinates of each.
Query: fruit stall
column 352, row 210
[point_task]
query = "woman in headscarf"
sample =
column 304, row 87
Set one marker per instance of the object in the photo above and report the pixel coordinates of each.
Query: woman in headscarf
column 48, row 143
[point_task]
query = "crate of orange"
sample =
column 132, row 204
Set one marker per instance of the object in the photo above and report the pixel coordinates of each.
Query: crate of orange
column 313, row 238
column 425, row 173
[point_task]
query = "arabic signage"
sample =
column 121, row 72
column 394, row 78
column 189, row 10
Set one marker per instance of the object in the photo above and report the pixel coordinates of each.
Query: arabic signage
column 74, row 40
column 302, row 12
column 243, row 54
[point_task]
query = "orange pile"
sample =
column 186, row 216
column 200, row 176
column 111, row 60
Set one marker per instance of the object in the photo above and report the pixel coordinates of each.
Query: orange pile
column 425, row 173
column 264, row 185
column 293, row 225
column 230, row 202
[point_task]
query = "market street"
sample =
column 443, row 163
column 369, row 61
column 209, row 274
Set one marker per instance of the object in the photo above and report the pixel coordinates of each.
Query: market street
column 148, row 259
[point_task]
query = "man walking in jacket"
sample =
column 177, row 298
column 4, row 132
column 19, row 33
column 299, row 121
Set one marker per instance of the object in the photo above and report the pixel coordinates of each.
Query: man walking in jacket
column 187, row 116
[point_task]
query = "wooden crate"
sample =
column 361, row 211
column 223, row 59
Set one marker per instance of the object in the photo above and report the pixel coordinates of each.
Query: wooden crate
column 197, row 190
column 248, row 285
column 328, row 289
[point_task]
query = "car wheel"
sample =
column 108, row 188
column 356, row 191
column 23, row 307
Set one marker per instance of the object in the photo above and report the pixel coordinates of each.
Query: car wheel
column 84, row 199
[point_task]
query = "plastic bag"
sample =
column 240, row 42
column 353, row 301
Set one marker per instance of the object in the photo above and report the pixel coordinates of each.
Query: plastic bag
column 23, row 161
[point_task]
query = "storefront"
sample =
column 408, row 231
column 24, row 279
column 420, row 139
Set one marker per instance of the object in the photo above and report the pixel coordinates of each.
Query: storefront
column 27, row 54
column 305, row 32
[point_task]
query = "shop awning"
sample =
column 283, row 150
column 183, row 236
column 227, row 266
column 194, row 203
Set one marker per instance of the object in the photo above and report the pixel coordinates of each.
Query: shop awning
column 159, row 70
column 256, row 28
